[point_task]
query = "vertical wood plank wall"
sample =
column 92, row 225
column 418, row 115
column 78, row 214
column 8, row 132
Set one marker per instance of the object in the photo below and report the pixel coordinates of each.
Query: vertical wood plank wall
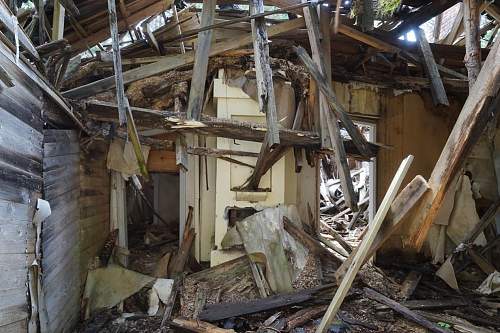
column 94, row 202
column 60, row 237
column 21, row 128
column 410, row 124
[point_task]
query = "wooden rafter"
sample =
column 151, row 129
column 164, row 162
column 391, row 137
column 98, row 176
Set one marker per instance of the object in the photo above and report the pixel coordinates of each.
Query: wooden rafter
column 202, row 53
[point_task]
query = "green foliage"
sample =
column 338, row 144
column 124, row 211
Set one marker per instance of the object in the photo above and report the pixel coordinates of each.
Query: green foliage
column 387, row 7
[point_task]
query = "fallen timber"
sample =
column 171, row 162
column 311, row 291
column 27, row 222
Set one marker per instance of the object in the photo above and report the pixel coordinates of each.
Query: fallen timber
column 209, row 126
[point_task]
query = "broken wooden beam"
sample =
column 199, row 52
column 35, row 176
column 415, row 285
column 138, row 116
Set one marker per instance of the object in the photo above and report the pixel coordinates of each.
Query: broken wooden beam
column 215, row 152
column 425, row 304
column 404, row 202
column 404, row 311
column 472, row 58
column 117, row 63
column 215, row 312
column 6, row 17
column 365, row 245
column 177, row 122
column 437, row 88
column 479, row 108
column 124, row 112
column 197, row 91
column 264, row 75
column 172, row 62
column 336, row 107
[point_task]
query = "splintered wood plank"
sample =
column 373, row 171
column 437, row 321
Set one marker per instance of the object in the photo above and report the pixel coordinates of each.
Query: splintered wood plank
column 265, row 88
column 404, row 311
column 117, row 63
column 13, row 27
column 476, row 112
column 365, row 245
column 404, row 202
column 172, row 62
column 358, row 139
column 202, row 53
column 437, row 88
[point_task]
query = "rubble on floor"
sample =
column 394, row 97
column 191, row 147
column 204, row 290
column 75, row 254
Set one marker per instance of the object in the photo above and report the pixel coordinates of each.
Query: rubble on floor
column 387, row 297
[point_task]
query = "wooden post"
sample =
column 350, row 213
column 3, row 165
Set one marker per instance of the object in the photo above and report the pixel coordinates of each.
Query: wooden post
column 41, row 22
column 124, row 111
column 117, row 62
column 437, row 27
column 118, row 214
column 58, row 21
column 197, row 92
column 437, row 88
column 265, row 88
column 476, row 112
column 365, row 245
column 472, row 40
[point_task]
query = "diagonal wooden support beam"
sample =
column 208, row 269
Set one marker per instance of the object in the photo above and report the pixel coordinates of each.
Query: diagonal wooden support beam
column 335, row 106
column 437, row 88
column 365, row 245
column 202, row 53
column 321, row 55
column 264, row 74
column 124, row 111
column 479, row 108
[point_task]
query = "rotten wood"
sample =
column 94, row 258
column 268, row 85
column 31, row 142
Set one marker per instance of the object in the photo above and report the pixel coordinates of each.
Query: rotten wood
column 215, row 152
column 117, row 63
column 426, row 304
column 437, row 88
column 264, row 75
column 410, row 284
column 175, row 61
column 197, row 91
column 179, row 261
column 404, row 311
column 210, row 126
column 215, row 312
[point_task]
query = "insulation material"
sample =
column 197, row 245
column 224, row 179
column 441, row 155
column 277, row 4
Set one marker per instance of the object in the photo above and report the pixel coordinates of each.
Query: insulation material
column 491, row 284
column 464, row 215
column 108, row 286
column 121, row 157
column 160, row 292
column 265, row 239
column 447, row 273
column 480, row 164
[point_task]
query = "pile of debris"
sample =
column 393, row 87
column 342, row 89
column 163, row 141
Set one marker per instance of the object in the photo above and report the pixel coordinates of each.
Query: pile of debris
column 283, row 281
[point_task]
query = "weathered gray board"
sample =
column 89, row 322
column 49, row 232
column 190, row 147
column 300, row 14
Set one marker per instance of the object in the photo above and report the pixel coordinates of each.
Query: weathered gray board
column 60, row 232
column 20, row 185
column 94, row 202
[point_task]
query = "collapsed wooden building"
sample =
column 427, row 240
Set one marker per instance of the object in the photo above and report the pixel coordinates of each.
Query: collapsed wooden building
column 260, row 166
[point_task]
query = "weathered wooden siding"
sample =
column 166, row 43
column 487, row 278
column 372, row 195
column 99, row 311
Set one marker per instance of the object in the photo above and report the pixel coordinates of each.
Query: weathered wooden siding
column 94, row 202
column 60, row 239
column 21, row 138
